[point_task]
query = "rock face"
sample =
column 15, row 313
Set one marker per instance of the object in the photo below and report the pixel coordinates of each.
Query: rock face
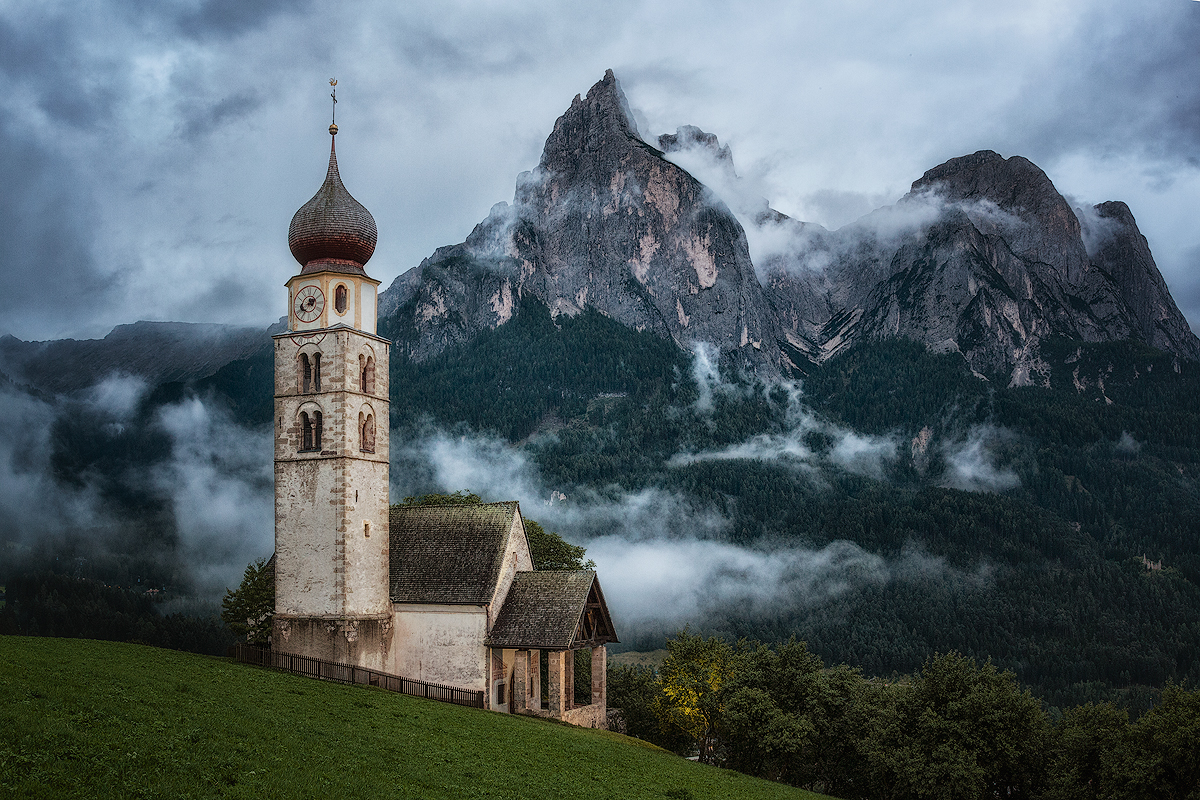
column 982, row 256
column 603, row 221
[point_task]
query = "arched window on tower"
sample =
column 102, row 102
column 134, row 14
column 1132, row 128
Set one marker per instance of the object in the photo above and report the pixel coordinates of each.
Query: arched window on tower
column 366, row 432
column 305, row 374
column 306, row 432
column 339, row 298
column 316, row 372
column 310, row 431
column 366, row 367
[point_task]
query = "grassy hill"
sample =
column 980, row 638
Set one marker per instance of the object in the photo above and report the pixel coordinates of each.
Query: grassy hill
column 82, row 718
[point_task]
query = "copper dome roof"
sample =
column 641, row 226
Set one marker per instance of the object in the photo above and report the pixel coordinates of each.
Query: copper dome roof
column 333, row 231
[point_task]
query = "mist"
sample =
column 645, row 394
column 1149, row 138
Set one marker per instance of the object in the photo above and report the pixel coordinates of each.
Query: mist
column 809, row 443
column 221, row 483
column 102, row 484
column 972, row 463
column 665, row 560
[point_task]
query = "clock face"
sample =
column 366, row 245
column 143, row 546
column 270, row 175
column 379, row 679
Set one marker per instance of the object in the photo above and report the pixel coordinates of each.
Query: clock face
column 310, row 302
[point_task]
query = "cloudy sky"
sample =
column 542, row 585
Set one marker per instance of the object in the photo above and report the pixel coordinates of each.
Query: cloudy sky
column 153, row 153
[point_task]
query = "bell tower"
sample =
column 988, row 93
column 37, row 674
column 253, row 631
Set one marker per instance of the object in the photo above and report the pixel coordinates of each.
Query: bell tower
column 331, row 439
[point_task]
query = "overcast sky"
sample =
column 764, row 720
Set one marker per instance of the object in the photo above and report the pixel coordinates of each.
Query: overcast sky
column 152, row 153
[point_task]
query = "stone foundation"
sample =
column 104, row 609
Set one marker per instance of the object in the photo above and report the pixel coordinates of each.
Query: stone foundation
column 593, row 716
column 363, row 642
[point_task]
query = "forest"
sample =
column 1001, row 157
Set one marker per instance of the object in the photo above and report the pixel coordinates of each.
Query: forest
column 1100, row 469
column 954, row 728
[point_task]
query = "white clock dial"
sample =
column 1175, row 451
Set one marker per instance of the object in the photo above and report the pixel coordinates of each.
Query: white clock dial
column 310, row 302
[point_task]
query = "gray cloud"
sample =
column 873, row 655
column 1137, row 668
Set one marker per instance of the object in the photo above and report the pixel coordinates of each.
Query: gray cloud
column 156, row 150
column 215, row 480
column 221, row 483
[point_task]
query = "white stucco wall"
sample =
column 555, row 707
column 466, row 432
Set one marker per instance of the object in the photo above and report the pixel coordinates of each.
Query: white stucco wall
column 440, row 644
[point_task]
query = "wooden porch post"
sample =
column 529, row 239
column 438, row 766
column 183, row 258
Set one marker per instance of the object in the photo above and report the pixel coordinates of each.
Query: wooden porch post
column 535, row 680
column 569, row 678
column 496, row 674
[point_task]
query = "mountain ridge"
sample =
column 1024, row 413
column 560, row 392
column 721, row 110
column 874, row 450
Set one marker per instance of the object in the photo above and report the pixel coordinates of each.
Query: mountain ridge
column 983, row 256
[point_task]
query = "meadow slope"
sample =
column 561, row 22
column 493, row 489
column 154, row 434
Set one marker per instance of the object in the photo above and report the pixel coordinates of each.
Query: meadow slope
column 81, row 718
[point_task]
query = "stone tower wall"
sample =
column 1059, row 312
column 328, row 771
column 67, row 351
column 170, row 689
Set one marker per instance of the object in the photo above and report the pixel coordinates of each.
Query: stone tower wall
column 331, row 504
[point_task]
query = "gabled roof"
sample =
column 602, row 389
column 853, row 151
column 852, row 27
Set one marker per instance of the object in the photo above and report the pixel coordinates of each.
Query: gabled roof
column 449, row 553
column 553, row 610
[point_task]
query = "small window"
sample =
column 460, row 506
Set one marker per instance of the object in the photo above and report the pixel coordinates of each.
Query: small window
column 366, row 378
column 339, row 298
column 306, row 432
column 366, row 432
column 305, row 374
column 310, row 431
column 500, row 699
column 316, row 372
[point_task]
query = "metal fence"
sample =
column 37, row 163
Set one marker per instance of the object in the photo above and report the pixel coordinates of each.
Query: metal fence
column 348, row 673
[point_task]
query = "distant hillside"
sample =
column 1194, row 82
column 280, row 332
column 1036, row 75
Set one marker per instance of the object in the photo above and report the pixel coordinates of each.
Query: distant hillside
column 158, row 352
column 83, row 718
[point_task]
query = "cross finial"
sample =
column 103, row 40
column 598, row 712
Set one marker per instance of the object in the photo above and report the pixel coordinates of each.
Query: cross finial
column 333, row 122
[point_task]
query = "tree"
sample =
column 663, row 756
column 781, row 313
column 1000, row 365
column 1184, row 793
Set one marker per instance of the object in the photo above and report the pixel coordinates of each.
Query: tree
column 1162, row 761
column 692, row 676
column 958, row 731
column 460, row 497
column 551, row 551
column 1087, row 747
column 250, row 610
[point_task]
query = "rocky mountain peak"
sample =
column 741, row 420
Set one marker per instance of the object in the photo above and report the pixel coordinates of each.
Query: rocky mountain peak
column 983, row 257
column 1049, row 231
column 1122, row 254
column 600, row 122
column 1015, row 184
column 603, row 222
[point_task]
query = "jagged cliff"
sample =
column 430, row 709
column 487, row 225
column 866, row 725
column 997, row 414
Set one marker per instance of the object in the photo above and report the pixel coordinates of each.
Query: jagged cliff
column 992, row 262
column 604, row 221
column 982, row 256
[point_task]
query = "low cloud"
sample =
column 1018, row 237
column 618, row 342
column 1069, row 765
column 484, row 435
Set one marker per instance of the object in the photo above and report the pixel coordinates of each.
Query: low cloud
column 1127, row 445
column 33, row 505
column 658, row 586
column 1096, row 230
column 971, row 463
column 665, row 561
column 862, row 454
column 498, row 471
column 82, row 478
column 221, row 483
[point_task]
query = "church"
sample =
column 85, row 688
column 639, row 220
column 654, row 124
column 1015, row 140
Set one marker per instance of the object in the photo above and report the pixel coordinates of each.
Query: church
column 446, row 594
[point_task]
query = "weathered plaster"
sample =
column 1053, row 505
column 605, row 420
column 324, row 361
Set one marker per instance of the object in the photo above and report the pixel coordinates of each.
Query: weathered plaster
column 441, row 644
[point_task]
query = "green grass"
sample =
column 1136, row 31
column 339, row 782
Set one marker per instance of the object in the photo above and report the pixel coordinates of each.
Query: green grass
column 82, row 718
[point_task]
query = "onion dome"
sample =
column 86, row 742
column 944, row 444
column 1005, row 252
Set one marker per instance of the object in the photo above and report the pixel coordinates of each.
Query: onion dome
column 333, row 232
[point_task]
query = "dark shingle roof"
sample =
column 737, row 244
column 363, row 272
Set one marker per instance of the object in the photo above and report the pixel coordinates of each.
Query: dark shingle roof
column 448, row 554
column 546, row 610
